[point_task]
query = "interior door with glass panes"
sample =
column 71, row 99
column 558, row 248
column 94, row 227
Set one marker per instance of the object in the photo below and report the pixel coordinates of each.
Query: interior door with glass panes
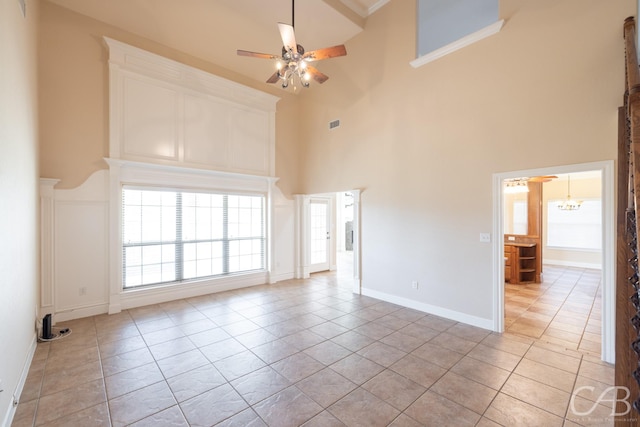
column 320, row 235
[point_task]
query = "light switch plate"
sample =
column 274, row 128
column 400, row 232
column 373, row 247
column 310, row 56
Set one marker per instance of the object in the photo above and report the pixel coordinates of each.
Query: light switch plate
column 485, row 237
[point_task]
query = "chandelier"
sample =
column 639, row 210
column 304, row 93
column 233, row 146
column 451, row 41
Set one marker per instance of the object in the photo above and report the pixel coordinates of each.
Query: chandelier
column 569, row 204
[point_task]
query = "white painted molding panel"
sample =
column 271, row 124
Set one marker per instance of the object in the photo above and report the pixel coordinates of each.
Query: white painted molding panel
column 165, row 112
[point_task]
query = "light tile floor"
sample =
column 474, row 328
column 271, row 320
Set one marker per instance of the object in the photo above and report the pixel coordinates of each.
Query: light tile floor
column 309, row 352
column 565, row 309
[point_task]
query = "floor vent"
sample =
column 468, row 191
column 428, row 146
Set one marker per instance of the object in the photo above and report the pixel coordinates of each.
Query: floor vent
column 334, row 124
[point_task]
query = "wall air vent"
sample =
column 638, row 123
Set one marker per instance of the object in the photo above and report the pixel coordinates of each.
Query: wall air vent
column 334, row 124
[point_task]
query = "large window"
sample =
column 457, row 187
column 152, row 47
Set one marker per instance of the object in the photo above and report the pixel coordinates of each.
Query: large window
column 579, row 229
column 173, row 236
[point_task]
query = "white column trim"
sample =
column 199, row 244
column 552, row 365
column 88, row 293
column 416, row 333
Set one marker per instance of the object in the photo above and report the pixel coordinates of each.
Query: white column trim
column 47, row 242
column 270, row 250
column 301, row 264
column 115, row 238
column 357, row 256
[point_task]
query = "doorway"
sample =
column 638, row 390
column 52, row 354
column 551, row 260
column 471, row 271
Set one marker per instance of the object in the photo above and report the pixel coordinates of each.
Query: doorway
column 319, row 234
column 328, row 236
column 607, row 261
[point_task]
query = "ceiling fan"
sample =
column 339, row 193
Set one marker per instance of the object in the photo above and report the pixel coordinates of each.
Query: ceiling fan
column 521, row 185
column 294, row 62
column 542, row 178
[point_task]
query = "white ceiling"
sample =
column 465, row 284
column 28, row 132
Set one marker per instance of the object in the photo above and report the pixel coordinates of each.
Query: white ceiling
column 214, row 29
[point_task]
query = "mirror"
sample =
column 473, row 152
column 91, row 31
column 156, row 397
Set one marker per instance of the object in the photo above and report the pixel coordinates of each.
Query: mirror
column 516, row 213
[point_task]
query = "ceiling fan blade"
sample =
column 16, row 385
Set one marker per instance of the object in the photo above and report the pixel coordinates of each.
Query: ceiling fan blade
column 543, row 178
column 257, row 54
column 317, row 75
column 288, row 37
column 275, row 77
column 327, row 52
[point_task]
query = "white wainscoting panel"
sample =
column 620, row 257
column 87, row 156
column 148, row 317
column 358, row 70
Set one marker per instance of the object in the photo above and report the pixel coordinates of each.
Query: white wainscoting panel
column 81, row 256
column 206, row 132
column 75, row 223
column 249, row 153
column 150, row 115
column 165, row 112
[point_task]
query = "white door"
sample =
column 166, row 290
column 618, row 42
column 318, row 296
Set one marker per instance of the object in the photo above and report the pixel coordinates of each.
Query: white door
column 320, row 235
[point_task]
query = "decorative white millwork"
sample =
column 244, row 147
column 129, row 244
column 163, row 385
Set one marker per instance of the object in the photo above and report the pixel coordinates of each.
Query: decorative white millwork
column 47, row 262
column 165, row 112
column 174, row 126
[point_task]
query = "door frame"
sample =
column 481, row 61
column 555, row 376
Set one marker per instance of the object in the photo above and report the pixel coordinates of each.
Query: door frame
column 302, row 256
column 330, row 225
column 606, row 169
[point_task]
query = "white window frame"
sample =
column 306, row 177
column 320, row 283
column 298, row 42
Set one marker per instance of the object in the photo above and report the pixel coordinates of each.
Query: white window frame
column 177, row 264
column 552, row 206
column 124, row 172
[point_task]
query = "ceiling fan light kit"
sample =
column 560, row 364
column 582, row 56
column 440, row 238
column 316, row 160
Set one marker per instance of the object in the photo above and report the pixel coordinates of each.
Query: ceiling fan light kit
column 293, row 66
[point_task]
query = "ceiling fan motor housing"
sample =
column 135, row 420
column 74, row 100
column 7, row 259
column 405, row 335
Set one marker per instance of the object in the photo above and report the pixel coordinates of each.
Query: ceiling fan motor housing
column 299, row 48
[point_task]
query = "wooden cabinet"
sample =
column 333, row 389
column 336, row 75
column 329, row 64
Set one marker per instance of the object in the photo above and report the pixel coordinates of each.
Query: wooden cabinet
column 508, row 263
column 521, row 263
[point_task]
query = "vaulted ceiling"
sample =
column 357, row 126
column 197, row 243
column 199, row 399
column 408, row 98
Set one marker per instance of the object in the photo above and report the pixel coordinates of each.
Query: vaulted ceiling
column 214, row 29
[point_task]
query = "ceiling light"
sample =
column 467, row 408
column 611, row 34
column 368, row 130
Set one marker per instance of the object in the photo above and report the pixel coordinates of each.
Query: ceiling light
column 517, row 185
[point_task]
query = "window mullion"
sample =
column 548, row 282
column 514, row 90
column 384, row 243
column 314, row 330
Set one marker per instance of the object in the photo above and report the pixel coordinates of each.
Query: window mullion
column 225, row 234
column 179, row 244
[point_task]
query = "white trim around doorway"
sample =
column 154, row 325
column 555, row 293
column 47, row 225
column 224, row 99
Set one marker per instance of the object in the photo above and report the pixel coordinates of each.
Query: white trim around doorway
column 608, row 245
column 302, row 258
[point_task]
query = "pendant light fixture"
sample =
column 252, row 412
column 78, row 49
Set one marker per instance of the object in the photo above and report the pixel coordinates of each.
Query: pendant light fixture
column 569, row 204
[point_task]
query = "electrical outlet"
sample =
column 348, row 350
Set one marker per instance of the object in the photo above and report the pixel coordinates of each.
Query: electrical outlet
column 414, row 284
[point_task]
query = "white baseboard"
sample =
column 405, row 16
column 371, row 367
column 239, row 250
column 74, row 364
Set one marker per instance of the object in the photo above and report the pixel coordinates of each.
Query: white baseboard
column 431, row 309
column 142, row 297
column 283, row 276
column 11, row 410
column 564, row 263
column 80, row 312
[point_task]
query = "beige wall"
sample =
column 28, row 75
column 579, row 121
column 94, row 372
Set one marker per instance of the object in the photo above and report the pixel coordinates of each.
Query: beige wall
column 423, row 143
column 19, row 264
column 74, row 98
